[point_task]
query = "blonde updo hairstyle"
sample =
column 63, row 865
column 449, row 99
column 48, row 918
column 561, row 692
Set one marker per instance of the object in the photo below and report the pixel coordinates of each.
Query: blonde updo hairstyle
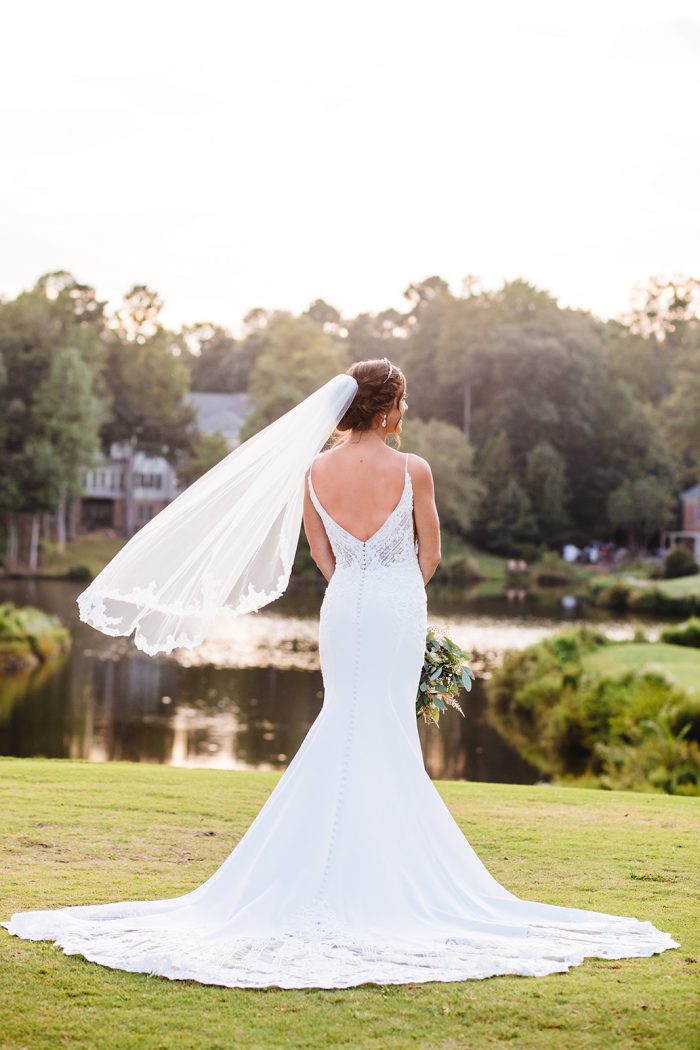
column 377, row 393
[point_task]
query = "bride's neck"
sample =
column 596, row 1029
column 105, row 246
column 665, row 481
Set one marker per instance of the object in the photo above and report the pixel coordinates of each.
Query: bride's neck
column 366, row 437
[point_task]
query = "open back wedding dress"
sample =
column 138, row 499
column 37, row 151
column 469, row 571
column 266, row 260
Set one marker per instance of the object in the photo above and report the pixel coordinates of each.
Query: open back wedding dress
column 354, row 870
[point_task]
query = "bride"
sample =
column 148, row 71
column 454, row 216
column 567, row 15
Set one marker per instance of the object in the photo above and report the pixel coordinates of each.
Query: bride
column 354, row 870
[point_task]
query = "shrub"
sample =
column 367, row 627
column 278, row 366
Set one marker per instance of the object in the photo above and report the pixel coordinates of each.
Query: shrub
column 656, row 757
column 28, row 635
column 571, row 721
column 645, row 600
column 680, row 562
column 617, row 596
column 458, row 568
column 684, row 634
column 552, row 571
column 79, row 572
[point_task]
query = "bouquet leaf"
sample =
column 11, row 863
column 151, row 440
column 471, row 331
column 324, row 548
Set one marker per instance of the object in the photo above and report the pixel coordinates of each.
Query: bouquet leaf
column 445, row 673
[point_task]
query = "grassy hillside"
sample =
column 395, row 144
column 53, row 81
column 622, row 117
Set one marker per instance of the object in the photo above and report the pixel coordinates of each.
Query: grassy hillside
column 679, row 664
column 77, row 833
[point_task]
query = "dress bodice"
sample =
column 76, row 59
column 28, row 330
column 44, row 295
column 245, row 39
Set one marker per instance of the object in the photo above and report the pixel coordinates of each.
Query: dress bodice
column 393, row 543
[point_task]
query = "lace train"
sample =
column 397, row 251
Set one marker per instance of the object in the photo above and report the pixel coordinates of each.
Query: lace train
column 319, row 953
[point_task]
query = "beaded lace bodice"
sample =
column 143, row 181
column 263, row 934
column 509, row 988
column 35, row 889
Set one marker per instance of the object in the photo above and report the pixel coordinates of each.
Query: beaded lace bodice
column 393, row 543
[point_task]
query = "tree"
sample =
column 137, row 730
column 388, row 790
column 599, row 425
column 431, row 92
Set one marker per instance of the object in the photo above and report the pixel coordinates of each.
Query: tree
column 426, row 291
column 547, row 488
column 298, row 356
column 147, row 380
column 495, row 464
column 67, row 413
column 38, row 473
column 641, row 507
column 681, row 423
column 510, row 526
column 138, row 318
column 506, row 521
column 207, row 450
column 451, row 457
column 217, row 361
column 667, row 308
column 326, row 316
column 10, row 495
column 371, row 336
column 57, row 323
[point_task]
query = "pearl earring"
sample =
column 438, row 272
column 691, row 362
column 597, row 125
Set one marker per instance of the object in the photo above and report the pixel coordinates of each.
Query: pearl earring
column 384, row 421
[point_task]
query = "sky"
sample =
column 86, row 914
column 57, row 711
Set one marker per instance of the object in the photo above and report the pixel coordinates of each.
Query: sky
column 267, row 154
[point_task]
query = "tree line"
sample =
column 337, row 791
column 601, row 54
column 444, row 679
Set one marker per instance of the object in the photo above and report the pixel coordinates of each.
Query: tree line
column 543, row 425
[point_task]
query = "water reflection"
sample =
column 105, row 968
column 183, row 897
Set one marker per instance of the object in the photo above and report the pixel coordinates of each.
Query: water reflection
column 244, row 700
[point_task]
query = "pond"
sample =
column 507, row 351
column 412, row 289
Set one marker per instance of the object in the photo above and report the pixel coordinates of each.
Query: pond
column 248, row 696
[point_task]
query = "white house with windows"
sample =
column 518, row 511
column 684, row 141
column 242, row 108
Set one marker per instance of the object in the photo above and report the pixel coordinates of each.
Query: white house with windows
column 103, row 503
column 689, row 535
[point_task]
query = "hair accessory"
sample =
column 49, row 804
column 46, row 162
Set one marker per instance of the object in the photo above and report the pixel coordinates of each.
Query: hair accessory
column 391, row 368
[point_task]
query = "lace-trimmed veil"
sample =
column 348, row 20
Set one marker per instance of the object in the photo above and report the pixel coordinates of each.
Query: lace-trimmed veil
column 224, row 545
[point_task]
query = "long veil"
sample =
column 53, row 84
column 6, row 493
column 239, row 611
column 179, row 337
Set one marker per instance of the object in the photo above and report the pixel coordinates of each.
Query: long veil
column 225, row 544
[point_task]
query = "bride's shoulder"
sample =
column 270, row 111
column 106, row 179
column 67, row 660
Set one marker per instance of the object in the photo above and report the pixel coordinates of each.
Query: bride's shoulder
column 319, row 459
column 419, row 469
column 417, row 466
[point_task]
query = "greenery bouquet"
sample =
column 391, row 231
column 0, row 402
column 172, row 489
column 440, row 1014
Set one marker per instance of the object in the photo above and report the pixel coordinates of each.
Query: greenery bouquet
column 445, row 672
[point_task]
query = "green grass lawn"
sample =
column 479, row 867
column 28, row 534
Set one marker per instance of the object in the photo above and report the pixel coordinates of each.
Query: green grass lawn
column 93, row 550
column 79, row 833
column 679, row 663
column 682, row 586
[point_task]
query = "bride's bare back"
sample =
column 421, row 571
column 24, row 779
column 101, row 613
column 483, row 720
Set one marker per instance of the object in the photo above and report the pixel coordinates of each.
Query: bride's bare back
column 359, row 484
column 359, row 487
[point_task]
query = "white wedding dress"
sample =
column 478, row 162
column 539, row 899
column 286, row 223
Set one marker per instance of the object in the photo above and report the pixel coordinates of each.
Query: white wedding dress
column 354, row 870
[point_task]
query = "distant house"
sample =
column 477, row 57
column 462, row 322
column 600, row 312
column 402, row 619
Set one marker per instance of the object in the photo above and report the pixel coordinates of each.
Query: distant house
column 103, row 503
column 689, row 535
column 224, row 412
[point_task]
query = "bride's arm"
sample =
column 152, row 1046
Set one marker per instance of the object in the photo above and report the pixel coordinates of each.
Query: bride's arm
column 426, row 516
column 319, row 544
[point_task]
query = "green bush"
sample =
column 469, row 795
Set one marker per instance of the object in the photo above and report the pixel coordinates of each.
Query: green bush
column 656, row 757
column 644, row 600
column 458, row 568
column 687, row 633
column 569, row 721
column 79, row 572
column 552, row 571
column 28, row 635
column 618, row 596
column 680, row 562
